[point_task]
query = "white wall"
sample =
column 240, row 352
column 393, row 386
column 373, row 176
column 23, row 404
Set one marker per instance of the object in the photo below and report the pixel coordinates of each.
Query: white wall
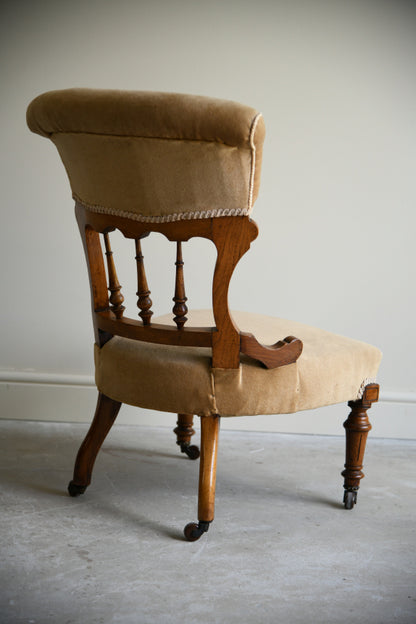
column 335, row 81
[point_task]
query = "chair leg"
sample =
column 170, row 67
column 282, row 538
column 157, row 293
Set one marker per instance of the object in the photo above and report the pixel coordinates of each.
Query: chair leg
column 184, row 431
column 105, row 415
column 357, row 427
column 210, row 426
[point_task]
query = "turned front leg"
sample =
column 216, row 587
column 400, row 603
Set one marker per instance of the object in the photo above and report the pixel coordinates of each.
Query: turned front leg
column 357, row 427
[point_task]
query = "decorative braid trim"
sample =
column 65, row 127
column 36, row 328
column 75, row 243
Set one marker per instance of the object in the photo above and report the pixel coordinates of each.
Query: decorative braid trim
column 366, row 382
column 253, row 161
column 177, row 216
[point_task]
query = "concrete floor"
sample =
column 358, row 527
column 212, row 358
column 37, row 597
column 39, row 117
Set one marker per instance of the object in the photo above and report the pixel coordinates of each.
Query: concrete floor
column 281, row 550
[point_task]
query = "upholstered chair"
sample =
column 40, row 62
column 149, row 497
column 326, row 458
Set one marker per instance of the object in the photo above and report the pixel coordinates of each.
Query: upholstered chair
column 188, row 166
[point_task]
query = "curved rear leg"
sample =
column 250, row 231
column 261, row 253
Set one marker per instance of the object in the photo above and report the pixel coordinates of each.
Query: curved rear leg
column 105, row 415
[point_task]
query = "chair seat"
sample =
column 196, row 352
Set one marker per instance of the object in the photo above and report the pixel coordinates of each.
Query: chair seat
column 331, row 369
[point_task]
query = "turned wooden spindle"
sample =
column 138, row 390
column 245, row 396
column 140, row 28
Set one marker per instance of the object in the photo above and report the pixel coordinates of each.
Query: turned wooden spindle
column 179, row 309
column 116, row 298
column 144, row 303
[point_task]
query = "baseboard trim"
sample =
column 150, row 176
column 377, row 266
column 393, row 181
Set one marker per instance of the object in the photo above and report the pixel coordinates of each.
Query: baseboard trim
column 398, row 397
column 64, row 379
column 29, row 395
column 49, row 379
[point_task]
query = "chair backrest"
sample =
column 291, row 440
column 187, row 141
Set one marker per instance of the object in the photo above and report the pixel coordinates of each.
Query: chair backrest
column 176, row 164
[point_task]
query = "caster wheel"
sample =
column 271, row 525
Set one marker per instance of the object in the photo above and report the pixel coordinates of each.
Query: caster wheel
column 76, row 490
column 193, row 531
column 350, row 499
column 191, row 451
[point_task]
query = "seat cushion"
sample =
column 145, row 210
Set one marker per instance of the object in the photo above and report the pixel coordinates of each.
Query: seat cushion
column 331, row 369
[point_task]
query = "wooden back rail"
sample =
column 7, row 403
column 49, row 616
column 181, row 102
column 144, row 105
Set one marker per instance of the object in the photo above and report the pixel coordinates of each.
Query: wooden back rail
column 231, row 236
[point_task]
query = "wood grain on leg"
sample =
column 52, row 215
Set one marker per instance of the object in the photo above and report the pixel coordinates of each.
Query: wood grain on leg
column 105, row 415
column 357, row 427
column 210, row 426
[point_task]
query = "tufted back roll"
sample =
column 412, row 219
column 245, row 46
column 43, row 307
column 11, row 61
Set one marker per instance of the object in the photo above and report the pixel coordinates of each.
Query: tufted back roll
column 151, row 156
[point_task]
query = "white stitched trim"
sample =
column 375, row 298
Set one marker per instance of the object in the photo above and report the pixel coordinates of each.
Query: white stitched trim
column 253, row 160
column 366, row 382
column 177, row 216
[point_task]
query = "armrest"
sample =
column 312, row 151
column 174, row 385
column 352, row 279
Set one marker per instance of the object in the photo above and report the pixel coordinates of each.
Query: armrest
column 281, row 353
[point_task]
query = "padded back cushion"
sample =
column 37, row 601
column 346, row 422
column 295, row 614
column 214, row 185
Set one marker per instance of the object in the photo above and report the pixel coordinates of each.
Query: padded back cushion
column 154, row 156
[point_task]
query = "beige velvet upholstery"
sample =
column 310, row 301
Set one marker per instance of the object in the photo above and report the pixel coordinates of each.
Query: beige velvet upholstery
column 157, row 157
column 332, row 369
column 154, row 157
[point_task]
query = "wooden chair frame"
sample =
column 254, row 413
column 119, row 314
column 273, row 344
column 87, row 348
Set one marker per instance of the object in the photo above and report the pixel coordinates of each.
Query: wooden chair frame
column 232, row 237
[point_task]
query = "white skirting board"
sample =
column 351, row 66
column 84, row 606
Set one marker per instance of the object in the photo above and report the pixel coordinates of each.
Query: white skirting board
column 70, row 398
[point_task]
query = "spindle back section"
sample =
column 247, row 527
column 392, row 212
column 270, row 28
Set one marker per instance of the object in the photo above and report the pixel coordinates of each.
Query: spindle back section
column 144, row 302
column 232, row 237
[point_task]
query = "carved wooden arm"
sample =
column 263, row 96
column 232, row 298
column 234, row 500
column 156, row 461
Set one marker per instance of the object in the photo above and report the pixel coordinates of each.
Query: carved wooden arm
column 281, row 353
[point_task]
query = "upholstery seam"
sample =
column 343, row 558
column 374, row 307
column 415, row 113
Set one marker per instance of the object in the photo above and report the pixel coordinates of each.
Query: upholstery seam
column 137, row 136
column 214, row 398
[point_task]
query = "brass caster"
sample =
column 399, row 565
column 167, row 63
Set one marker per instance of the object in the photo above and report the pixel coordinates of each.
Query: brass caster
column 191, row 451
column 193, row 531
column 350, row 498
column 76, row 490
